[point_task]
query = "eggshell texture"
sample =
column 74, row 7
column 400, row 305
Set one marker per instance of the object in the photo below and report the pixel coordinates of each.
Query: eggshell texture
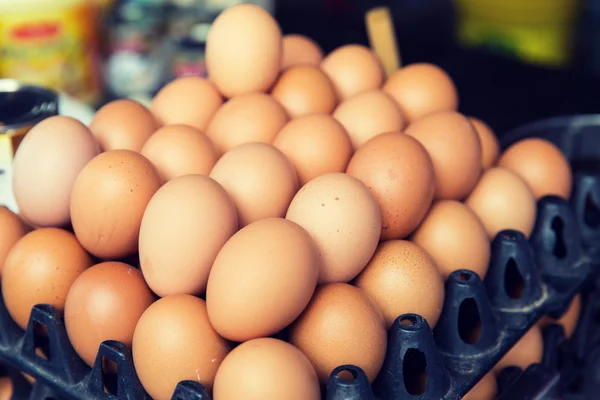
column 485, row 389
column 262, row 279
column 260, row 180
column 303, row 90
column 343, row 218
column 541, row 164
column 300, row 50
column 490, row 148
column 45, row 167
column 244, row 50
column 367, row 115
column 123, row 124
column 341, row 325
column 188, row 100
column 402, row 278
column 528, row 350
column 455, row 150
column 422, row 89
column 266, row 368
column 186, row 211
column 174, row 341
column 315, row 144
column 12, row 228
column 569, row 319
column 40, row 269
column 255, row 117
column 105, row 303
column 108, row 201
column 177, row 150
column 399, row 173
column 455, row 238
column 353, row 69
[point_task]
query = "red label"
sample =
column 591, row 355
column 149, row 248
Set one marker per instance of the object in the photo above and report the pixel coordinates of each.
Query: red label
column 37, row 31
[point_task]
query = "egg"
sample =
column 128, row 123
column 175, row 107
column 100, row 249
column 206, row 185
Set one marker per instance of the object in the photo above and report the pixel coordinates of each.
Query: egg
column 262, row 279
column 45, row 167
column 300, row 50
column 455, row 238
column 490, row 148
column 541, row 164
column 6, row 388
column 528, row 350
column 455, row 150
column 399, row 173
column 485, row 389
column 422, row 89
column 12, row 228
column 174, row 341
column 244, row 50
column 254, row 117
column 367, row 115
column 568, row 320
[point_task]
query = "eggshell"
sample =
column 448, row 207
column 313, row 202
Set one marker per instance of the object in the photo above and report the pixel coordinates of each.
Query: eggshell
column 528, row 350
column 45, row 167
column 455, row 150
column 455, row 238
column 40, row 269
column 6, row 388
column 254, row 117
column 266, row 368
column 262, row 279
column 12, row 228
column 485, row 389
column 568, row 320
column 244, row 50
column 300, row 50
column 341, row 325
column 541, row 164
column 174, row 341
column 490, row 147
column 399, row 173
column 186, row 211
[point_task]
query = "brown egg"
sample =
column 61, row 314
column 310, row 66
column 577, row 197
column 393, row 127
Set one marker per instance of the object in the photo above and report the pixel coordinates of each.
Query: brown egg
column 123, row 124
column 315, row 144
column 105, row 303
column 12, row 228
column 244, row 50
column 528, row 350
column 422, row 89
column 189, row 100
column 266, row 368
column 367, row 115
column 260, row 180
column 485, row 389
column 399, row 173
column 300, row 50
column 455, row 238
column 174, row 341
column 40, row 269
column 6, row 388
column 177, row 150
column 353, row 69
column 455, row 150
column 541, row 164
column 108, row 201
column 402, row 278
column 303, row 90
column 254, row 117
column 490, row 148
column 341, row 325
column 568, row 320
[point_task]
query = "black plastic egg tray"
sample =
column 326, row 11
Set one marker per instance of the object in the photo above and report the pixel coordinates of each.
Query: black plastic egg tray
column 480, row 321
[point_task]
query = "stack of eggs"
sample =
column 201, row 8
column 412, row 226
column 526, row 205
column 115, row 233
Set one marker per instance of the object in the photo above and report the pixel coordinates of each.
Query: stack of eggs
column 255, row 230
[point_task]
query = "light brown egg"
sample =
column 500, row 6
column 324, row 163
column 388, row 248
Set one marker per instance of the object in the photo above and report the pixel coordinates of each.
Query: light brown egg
column 40, row 269
column 341, row 325
column 402, row 278
column 455, row 238
column 502, row 200
column 260, row 180
column 108, row 201
column 422, row 89
column 174, row 341
column 568, row 320
column 541, row 164
column 490, row 148
column 123, row 124
column 254, row 117
column 266, row 368
column 12, row 228
column 528, row 350
column 367, row 115
column 177, row 150
column 189, row 100
column 316, row 144
column 399, row 173
column 485, row 389
column 244, row 50
column 262, row 279
column 353, row 69
column 300, row 50
column 455, row 150
column 6, row 388
column 303, row 90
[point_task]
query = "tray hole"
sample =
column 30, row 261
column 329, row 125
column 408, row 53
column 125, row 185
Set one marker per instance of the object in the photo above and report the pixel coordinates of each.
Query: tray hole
column 347, row 375
column 414, row 369
column 591, row 215
column 469, row 321
column 408, row 320
column 464, row 276
column 110, row 374
column 514, row 284
column 560, row 249
column 41, row 342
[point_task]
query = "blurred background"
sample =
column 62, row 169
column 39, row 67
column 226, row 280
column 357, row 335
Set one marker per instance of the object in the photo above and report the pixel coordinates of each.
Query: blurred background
column 514, row 61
